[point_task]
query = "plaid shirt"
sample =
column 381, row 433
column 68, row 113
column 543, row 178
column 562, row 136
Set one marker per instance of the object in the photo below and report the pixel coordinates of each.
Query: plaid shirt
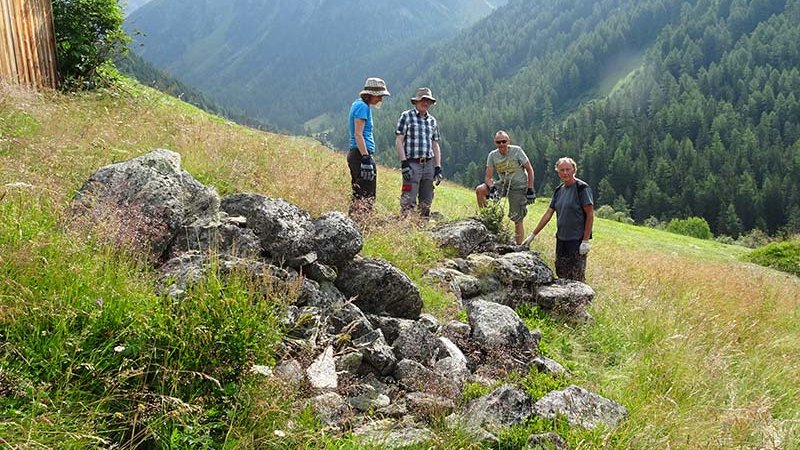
column 419, row 132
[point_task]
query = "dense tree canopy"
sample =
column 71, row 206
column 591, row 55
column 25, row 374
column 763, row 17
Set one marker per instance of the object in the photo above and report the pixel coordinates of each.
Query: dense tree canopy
column 671, row 108
column 88, row 34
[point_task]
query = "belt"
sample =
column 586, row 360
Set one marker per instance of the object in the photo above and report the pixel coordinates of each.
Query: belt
column 420, row 160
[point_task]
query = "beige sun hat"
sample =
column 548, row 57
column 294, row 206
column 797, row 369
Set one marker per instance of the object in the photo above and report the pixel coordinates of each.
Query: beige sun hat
column 376, row 87
column 423, row 93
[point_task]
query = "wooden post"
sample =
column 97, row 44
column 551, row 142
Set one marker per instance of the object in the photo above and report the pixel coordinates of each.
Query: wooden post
column 27, row 43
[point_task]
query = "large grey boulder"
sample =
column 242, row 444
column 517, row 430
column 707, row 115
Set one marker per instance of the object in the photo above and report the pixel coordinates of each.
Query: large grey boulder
column 220, row 234
column 580, row 407
column 144, row 201
column 337, row 238
column 380, row 288
column 286, row 232
column 465, row 236
column 497, row 326
column 415, row 377
column 566, row 299
column 419, row 344
column 505, row 406
column 522, row 268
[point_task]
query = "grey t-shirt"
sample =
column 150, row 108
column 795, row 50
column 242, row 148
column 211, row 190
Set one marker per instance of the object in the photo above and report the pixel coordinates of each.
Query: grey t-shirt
column 569, row 210
column 509, row 167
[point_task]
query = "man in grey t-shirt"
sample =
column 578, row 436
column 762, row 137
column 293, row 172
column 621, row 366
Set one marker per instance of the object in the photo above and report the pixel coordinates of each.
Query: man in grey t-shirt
column 572, row 200
column 512, row 166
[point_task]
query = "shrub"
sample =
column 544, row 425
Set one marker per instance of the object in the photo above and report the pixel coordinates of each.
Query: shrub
column 783, row 256
column 754, row 238
column 653, row 222
column 493, row 216
column 608, row 212
column 88, row 34
column 693, row 226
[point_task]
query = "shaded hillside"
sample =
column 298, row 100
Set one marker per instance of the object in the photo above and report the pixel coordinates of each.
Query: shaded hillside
column 134, row 66
column 289, row 61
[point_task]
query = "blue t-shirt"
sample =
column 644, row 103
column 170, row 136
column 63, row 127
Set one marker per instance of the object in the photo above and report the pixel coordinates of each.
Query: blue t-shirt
column 360, row 110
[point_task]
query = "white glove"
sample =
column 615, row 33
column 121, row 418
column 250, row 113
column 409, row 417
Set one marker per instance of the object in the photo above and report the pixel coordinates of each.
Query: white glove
column 529, row 239
column 584, row 248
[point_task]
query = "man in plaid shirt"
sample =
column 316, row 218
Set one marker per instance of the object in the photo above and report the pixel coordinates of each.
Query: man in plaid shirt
column 417, row 146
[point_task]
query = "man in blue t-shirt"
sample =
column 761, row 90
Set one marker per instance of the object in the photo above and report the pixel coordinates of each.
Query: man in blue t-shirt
column 362, row 166
column 572, row 201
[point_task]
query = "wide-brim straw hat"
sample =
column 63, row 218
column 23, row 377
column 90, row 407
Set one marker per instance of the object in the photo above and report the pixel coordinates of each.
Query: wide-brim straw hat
column 423, row 93
column 376, row 87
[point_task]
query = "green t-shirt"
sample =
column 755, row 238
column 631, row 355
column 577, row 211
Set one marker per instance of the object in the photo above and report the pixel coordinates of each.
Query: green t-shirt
column 509, row 167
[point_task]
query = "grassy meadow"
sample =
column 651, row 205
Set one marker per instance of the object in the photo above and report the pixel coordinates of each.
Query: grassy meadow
column 700, row 346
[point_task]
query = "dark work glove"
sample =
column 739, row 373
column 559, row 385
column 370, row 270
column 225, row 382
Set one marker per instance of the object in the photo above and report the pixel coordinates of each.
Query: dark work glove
column 494, row 194
column 530, row 196
column 406, row 171
column 437, row 175
column 367, row 168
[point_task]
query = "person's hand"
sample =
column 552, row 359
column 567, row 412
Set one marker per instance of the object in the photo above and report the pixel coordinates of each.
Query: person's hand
column 529, row 239
column 437, row 175
column 494, row 193
column 406, row 171
column 367, row 168
column 530, row 196
column 584, row 248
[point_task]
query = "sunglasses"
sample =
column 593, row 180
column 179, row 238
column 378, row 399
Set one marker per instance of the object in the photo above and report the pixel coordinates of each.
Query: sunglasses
column 502, row 141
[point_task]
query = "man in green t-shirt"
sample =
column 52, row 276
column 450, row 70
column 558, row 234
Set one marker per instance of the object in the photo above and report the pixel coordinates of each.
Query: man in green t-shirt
column 515, row 173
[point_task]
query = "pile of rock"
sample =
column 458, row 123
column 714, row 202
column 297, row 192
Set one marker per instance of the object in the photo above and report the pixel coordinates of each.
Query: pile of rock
column 356, row 334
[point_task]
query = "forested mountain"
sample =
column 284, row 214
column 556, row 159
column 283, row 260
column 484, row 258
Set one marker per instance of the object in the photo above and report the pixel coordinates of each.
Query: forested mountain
column 289, row 61
column 671, row 108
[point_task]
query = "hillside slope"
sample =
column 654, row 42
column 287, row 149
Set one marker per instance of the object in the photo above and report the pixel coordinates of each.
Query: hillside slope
column 287, row 62
column 700, row 347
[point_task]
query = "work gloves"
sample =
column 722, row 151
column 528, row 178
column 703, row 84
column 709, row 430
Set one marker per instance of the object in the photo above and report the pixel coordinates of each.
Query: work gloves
column 406, row 171
column 530, row 196
column 367, row 168
column 437, row 175
column 584, row 248
column 494, row 194
column 529, row 239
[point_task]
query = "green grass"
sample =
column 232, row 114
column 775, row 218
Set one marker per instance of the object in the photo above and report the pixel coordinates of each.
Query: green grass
column 700, row 346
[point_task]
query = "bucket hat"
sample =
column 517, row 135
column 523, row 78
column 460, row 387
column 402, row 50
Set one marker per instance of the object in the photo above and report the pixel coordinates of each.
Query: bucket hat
column 376, row 87
column 423, row 93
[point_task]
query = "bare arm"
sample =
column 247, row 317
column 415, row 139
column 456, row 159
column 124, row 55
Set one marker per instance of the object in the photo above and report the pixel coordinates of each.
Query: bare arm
column 529, row 170
column 437, row 154
column 359, row 125
column 488, row 178
column 399, row 142
column 587, row 225
column 543, row 221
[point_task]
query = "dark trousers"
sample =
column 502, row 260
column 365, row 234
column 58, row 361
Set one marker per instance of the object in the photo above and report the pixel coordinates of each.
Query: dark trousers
column 363, row 191
column 570, row 263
